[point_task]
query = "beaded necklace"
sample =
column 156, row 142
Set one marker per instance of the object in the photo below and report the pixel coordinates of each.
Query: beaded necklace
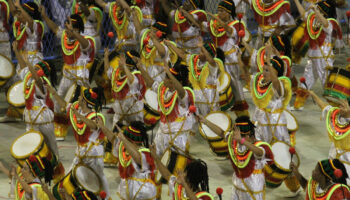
column 68, row 48
column 314, row 34
column 166, row 107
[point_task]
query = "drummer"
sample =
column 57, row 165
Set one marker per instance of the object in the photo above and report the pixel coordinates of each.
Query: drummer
column 248, row 156
column 206, row 70
column 328, row 181
column 320, row 31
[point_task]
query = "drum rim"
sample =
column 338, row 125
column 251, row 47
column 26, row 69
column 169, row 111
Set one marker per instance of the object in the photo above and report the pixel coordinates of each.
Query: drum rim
column 296, row 154
column 13, row 67
column 228, row 85
column 296, row 121
column 8, row 93
column 150, row 107
column 217, row 137
column 73, row 172
column 3, row 81
column 28, row 154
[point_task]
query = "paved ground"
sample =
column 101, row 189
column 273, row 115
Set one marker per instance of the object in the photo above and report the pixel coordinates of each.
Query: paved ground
column 312, row 145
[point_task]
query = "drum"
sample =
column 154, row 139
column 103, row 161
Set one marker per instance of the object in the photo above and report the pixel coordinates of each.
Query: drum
column 216, row 143
column 82, row 177
column 7, row 69
column 15, row 95
column 338, row 84
column 278, row 171
column 150, row 110
column 174, row 162
column 300, row 45
column 31, row 143
column 292, row 123
column 226, row 98
column 72, row 93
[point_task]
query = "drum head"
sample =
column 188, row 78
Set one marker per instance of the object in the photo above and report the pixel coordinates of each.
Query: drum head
column 164, row 160
column 282, row 157
column 70, row 93
column 7, row 70
column 151, row 99
column 219, row 118
column 15, row 95
column 292, row 123
column 26, row 144
column 87, row 178
column 225, row 81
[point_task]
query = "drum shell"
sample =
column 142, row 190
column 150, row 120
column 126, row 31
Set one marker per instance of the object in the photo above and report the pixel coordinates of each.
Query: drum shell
column 299, row 46
column 226, row 96
column 150, row 115
column 338, row 83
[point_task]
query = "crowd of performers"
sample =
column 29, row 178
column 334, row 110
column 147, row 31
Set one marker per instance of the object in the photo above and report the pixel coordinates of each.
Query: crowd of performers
column 165, row 77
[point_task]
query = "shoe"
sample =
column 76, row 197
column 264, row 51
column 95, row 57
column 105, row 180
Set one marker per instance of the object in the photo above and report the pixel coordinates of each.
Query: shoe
column 291, row 194
column 6, row 118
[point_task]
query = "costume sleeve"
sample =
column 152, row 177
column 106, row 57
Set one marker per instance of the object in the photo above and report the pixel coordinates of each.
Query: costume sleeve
column 267, row 155
column 205, row 26
column 252, row 61
column 287, row 19
column 329, row 29
column 185, row 100
column 89, row 48
column 325, row 111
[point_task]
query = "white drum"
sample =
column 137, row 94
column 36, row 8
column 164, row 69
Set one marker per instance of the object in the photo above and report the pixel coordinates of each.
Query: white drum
column 151, row 114
column 87, row 178
column 292, row 123
column 15, row 95
column 7, row 69
column 151, row 99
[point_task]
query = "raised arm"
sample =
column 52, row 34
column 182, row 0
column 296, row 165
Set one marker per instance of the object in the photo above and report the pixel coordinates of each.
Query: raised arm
column 61, row 102
column 131, row 148
column 208, row 57
column 318, row 100
column 110, row 135
column 221, row 23
column 166, row 7
column 179, row 52
column 320, row 17
column 12, row 7
column 160, row 48
column 4, row 170
column 106, row 60
column 101, row 3
column 179, row 88
column 129, row 75
column 21, row 62
column 83, row 42
column 212, row 126
column 247, row 47
column 52, row 26
column 161, row 168
column 237, row 136
column 137, row 23
column 300, row 8
column 25, row 15
column 148, row 79
column 125, row 6
column 84, row 8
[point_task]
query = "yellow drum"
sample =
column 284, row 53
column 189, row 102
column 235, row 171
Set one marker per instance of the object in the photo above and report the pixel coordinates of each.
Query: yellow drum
column 82, row 177
column 278, row 171
column 338, row 84
column 300, row 46
column 15, row 95
column 216, row 143
column 31, row 143
column 174, row 162
column 226, row 93
column 150, row 110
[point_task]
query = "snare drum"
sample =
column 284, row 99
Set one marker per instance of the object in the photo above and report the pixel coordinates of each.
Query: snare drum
column 15, row 95
column 82, row 177
column 226, row 93
column 338, row 84
column 292, row 123
column 278, row 171
column 7, row 69
column 174, row 162
column 72, row 92
column 31, row 143
column 300, row 45
column 216, row 143
column 150, row 110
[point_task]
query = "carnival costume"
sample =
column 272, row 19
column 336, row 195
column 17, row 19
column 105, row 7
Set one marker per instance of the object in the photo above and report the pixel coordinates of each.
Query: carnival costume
column 147, row 8
column 5, row 46
column 186, row 35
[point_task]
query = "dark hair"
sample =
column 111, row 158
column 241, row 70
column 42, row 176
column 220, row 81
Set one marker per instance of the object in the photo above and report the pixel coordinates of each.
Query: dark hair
column 250, row 127
column 76, row 95
column 229, row 6
column 285, row 47
column 79, row 23
column 220, row 54
column 182, row 72
column 141, row 127
column 278, row 64
column 197, row 175
column 32, row 9
column 48, row 170
column 328, row 8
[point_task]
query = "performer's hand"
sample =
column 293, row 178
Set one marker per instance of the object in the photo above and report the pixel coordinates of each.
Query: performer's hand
column 99, row 122
column 122, row 60
column 14, row 45
column 293, row 167
column 42, row 10
column 200, row 42
column 236, row 133
column 180, row 179
column 153, row 150
column 69, row 26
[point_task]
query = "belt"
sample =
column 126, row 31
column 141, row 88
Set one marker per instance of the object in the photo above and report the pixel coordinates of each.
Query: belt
column 69, row 67
column 147, row 16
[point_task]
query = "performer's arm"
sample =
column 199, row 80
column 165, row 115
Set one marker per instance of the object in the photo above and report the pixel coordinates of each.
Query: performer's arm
column 129, row 75
column 26, row 16
column 52, row 26
column 215, row 128
column 12, row 7
column 223, row 24
column 4, row 170
column 160, row 48
column 26, row 187
column 131, row 148
column 125, row 6
column 166, row 7
column 137, row 23
column 318, row 100
column 237, row 136
column 320, row 17
column 101, row 3
column 189, row 17
column 300, row 8
column 84, row 8
column 208, row 57
column 21, row 62
column 110, row 135
column 148, row 79
column 47, row 191
column 182, row 181
column 161, row 168
column 179, row 88
column 83, row 42
column 344, row 108
column 106, row 60
column 61, row 102
column 302, row 180
column 179, row 52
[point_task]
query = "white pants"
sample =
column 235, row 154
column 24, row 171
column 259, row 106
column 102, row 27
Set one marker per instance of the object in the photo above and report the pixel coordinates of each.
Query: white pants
column 316, row 68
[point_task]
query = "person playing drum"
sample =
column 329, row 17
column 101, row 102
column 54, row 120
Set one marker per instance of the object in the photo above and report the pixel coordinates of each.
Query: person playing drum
column 248, row 156
column 92, row 17
column 320, row 28
column 78, row 55
column 205, row 69
column 191, row 183
column 82, row 116
column 136, row 165
column 187, row 26
column 328, row 181
column 223, row 29
column 338, row 124
column 175, row 100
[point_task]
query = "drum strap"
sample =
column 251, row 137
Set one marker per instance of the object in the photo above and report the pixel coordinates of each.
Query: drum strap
column 273, row 130
column 32, row 122
column 171, row 142
column 138, row 191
